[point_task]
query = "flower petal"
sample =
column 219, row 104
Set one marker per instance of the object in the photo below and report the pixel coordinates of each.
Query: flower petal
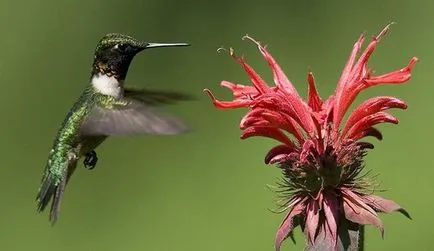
column 314, row 100
column 265, row 117
column 289, row 105
column 306, row 150
column 278, row 150
column 384, row 205
column 238, row 103
column 312, row 220
column 256, row 79
column 331, row 211
column 371, row 131
column 337, row 116
column 294, row 105
column 359, row 212
column 360, row 70
column 240, row 91
column 283, row 84
column 356, row 198
column 395, row 77
column 269, row 132
column 283, row 122
column 359, row 79
column 280, row 79
column 287, row 224
column 255, row 122
column 371, row 106
column 252, row 117
column 365, row 145
column 369, row 121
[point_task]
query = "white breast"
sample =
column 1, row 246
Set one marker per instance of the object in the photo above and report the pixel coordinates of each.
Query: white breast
column 107, row 85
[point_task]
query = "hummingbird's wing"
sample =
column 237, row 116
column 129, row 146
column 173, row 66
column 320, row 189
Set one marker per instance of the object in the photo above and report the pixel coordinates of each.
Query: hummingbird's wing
column 156, row 98
column 134, row 115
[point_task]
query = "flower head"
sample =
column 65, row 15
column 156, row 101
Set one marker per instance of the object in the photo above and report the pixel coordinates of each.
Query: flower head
column 321, row 156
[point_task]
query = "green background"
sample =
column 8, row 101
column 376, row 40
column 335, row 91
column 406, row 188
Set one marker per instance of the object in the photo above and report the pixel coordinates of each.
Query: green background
column 205, row 190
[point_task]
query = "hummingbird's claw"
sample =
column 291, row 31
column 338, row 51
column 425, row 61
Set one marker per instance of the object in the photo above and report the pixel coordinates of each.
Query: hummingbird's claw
column 90, row 160
column 72, row 156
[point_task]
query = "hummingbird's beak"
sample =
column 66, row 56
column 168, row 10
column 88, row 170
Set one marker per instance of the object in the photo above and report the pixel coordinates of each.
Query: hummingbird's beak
column 155, row 45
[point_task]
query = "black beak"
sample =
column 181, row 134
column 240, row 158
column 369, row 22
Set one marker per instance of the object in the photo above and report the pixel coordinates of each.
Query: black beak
column 156, row 45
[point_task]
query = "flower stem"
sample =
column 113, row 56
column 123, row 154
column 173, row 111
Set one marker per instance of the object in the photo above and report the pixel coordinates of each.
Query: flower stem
column 361, row 238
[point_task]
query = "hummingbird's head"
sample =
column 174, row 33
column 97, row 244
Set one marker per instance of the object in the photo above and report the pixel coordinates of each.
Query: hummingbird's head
column 114, row 53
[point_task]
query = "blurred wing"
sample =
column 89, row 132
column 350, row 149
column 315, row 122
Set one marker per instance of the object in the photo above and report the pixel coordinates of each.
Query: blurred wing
column 132, row 117
column 155, row 98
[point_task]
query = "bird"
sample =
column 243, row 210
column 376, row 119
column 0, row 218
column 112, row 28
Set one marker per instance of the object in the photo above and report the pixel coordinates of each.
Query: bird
column 105, row 108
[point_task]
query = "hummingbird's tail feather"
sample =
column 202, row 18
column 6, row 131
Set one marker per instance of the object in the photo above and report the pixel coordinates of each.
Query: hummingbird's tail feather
column 46, row 191
column 53, row 189
column 57, row 199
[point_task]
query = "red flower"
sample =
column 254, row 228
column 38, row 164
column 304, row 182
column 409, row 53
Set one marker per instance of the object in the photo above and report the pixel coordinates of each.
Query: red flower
column 321, row 157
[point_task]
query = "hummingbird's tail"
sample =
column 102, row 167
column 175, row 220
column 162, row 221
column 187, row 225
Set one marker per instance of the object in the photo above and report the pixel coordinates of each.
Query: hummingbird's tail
column 50, row 190
column 53, row 187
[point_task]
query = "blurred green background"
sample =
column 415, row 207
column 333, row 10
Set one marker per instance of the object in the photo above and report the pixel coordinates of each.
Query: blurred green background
column 205, row 190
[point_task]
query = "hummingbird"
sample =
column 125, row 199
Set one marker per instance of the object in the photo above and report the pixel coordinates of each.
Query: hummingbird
column 105, row 108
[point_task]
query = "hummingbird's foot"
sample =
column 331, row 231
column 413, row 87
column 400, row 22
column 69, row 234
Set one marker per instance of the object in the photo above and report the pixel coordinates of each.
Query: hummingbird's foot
column 90, row 160
column 72, row 156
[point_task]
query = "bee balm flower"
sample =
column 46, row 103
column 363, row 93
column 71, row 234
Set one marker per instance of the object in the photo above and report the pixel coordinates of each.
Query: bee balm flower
column 321, row 156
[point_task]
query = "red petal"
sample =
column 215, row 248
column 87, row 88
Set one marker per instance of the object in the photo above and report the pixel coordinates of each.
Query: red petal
column 302, row 115
column 329, row 105
column 266, row 117
column 252, row 116
column 359, row 79
column 289, row 105
column 365, row 145
column 268, row 132
column 280, row 159
column 240, row 91
column 369, row 121
column 395, row 77
column 287, row 225
column 337, row 117
column 280, row 79
column 278, row 150
column 256, row 122
column 256, row 79
column 356, row 87
column 281, row 121
column 359, row 212
column 314, row 100
column 228, row 104
column 306, row 150
column 356, row 199
column 331, row 211
column 371, row 106
column 371, row 131
column 360, row 68
column 384, row 205
column 312, row 220
column 361, row 216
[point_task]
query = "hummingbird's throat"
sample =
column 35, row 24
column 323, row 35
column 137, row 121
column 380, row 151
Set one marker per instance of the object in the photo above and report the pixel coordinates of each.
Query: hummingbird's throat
column 106, row 70
column 107, row 84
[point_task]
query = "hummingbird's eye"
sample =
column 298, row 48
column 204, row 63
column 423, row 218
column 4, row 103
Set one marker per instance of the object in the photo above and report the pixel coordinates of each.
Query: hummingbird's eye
column 121, row 47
